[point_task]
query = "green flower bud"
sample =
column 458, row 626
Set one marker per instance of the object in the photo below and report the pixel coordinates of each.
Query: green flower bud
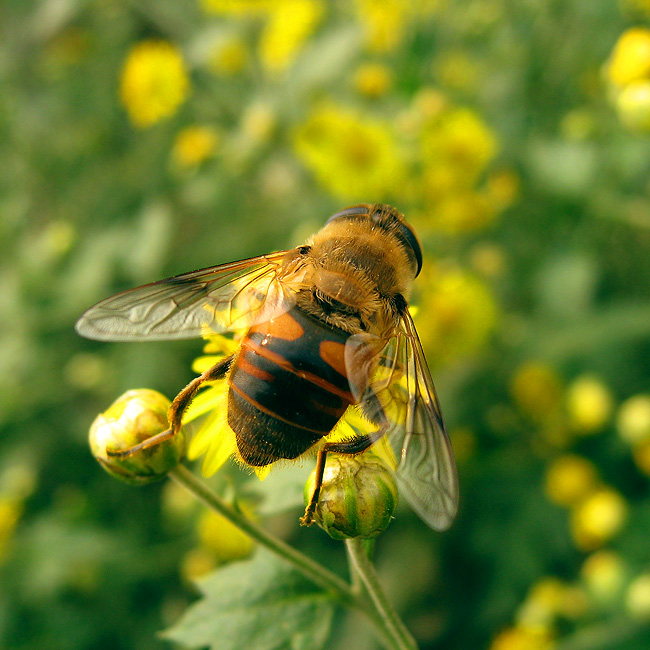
column 357, row 498
column 133, row 418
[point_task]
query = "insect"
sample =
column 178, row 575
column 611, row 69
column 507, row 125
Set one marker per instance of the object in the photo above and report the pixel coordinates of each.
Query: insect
column 327, row 329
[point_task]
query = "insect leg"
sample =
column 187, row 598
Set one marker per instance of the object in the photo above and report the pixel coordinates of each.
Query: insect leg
column 352, row 447
column 177, row 409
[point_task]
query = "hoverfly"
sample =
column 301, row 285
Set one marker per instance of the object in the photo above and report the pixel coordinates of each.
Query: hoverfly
column 327, row 329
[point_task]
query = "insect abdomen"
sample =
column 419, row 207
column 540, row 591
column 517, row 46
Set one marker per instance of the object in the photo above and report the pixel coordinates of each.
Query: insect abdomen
column 288, row 387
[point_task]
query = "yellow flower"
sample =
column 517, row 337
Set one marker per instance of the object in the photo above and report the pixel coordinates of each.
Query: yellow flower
column 193, row 145
column 630, row 60
column 570, row 479
column 502, row 189
column 154, row 82
column 214, row 437
column 537, row 390
column 542, row 604
column 222, row 538
column 372, row 79
column 239, row 7
column 10, row 511
column 461, row 212
column 633, row 105
column 460, row 140
column 258, row 122
column 598, row 518
column 290, row 24
column 589, row 404
column 549, row 598
column 457, row 313
column 523, row 638
column 603, row 573
column 386, row 20
column 633, row 419
column 456, row 70
column 228, row 57
column 352, row 156
column 488, row 259
column 196, row 563
column 637, row 600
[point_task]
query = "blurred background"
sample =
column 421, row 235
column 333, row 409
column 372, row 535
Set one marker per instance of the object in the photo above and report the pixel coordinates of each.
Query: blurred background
column 144, row 138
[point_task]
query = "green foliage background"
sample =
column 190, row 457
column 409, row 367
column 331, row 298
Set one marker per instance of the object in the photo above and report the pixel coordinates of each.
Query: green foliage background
column 90, row 204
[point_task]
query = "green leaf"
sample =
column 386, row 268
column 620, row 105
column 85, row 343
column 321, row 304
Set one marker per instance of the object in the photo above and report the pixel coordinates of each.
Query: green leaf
column 261, row 603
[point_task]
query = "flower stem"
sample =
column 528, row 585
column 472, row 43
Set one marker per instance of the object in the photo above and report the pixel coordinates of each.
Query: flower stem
column 366, row 572
column 316, row 572
column 323, row 577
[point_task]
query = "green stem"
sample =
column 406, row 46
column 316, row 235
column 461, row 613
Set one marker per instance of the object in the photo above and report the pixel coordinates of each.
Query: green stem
column 316, row 572
column 308, row 567
column 366, row 571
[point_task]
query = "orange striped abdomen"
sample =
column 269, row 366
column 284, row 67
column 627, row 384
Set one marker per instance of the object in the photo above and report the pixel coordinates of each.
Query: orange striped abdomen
column 288, row 387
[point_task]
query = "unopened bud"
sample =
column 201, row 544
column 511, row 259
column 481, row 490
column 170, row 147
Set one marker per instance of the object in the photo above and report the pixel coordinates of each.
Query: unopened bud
column 133, row 418
column 357, row 497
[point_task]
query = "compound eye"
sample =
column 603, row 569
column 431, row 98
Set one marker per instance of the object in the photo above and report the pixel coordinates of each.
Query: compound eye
column 409, row 237
column 354, row 211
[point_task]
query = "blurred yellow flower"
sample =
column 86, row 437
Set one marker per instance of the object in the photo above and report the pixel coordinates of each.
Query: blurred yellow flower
column 502, row 189
column 542, row 604
column 488, row 259
column 239, row 7
column 603, row 573
column 214, row 437
column 537, row 390
column 523, row 638
column 385, row 21
column 457, row 313
column 456, row 70
column 589, row 404
column 223, row 539
column 154, row 82
column 11, row 510
column 290, row 24
column 352, row 156
column 196, row 563
column 548, row 599
column 637, row 600
column 229, row 56
column 633, row 105
column 633, row 419
column 630, row 60
column 598, row 518
column 258, row 123
column 460, row 140
column 372, row 79
column 193, row 145
column 460, row 212
column 570, row 479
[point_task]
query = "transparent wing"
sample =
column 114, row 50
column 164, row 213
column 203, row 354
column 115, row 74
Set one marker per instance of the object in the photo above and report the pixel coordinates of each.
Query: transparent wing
column 212, row 300
column 392, row 385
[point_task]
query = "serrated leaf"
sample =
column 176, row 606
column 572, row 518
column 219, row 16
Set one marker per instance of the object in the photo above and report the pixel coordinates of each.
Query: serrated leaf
column 261, row 603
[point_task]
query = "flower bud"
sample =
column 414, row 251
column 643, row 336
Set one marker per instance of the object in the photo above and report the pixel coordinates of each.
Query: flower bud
column 357, row 497
column 133, row 418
